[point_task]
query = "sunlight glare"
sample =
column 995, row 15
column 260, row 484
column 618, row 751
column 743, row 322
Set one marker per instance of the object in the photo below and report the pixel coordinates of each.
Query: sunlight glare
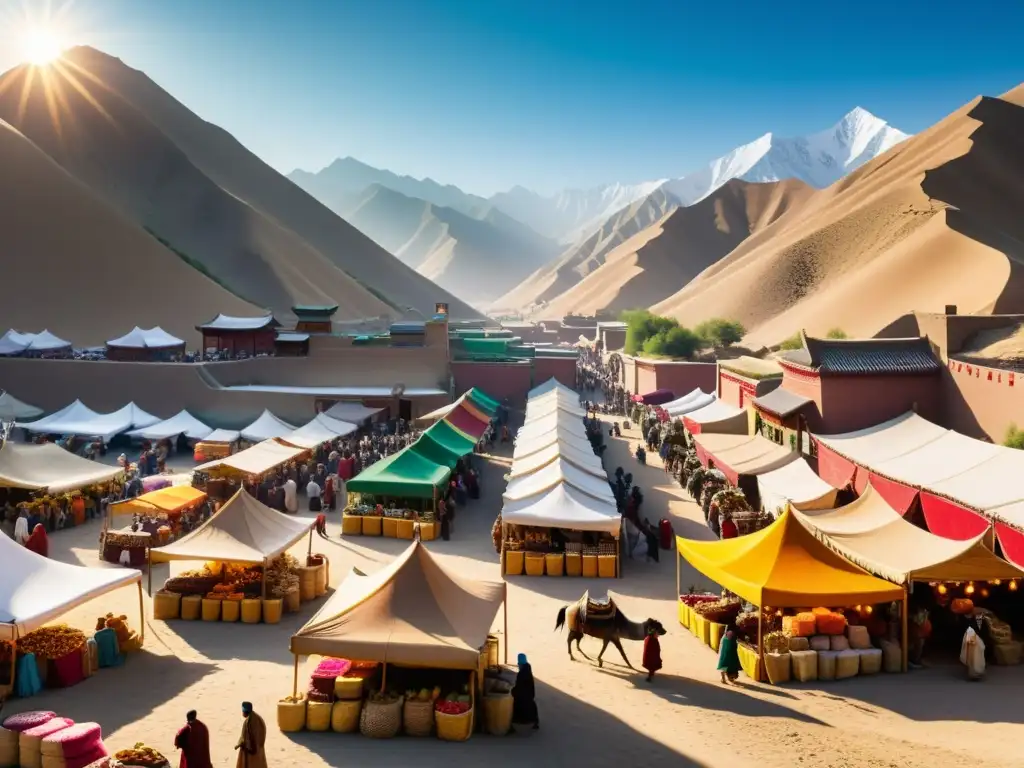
column 41, row 46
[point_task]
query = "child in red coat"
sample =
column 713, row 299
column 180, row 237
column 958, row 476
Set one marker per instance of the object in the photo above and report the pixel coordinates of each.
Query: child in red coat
column 652, row 654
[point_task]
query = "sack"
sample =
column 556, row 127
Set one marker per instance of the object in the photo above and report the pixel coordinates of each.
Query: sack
column 839, row 643
column 827, row 665
column 799, row 644
column 847, row 664
column 892, row 656
column 858, row 636
column 820, row 643
column 777, row 666
column 870, row 661
column 805, row 665
column 1007, row 654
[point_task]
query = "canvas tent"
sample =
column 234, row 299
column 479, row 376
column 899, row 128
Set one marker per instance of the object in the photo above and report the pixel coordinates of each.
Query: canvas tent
column 717, row 416
column 182, row 423
column 405, row 474
column 443, row 444
column 677, row 409
column 49, row 467
column 736, row 455
column 577, row 455
column 794, row 484
column 414, row 612
column 321, row 429
column 44, row 341
column 876, row 537
column 476, row 401
column 13, row 409
column 466, row 418
column 549, row 423
column 266, row 427
column 147, row 338
column 35, row 590
column 242, row 531
column 223, row 436
column 558, row 472
column 550, row 385
column 173, row 498
column 14, row 342
column 546, row 405
column 78, row 419
column 526, row 445
column 257, row 459
column 563, row 506
column 352, row 412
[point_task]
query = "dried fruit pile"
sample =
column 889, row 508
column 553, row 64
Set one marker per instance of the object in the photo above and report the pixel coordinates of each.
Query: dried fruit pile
column 722, row 611
column 140, row 754
column 54, row 642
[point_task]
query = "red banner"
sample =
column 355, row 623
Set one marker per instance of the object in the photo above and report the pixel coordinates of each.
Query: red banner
column 1012, row 542
column 951, row 520
column 833, row 468
column 898, row 496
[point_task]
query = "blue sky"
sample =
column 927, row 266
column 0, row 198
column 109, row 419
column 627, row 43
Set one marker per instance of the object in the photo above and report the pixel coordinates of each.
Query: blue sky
column 543, row 93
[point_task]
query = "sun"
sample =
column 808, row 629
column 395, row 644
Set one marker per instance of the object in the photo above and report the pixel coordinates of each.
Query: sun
column 41, row 46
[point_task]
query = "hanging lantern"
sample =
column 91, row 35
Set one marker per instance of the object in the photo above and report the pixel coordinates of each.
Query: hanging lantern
column 868, row 609
column 969, row 589
column 983, row 592
column 1013, row 585
column 942, row 589
column 996, row 582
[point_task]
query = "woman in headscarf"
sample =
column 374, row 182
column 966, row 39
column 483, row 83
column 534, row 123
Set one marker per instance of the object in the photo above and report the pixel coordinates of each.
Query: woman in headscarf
column 38, row 541
column 524, row 704
column 21, row 529
column 728, row 656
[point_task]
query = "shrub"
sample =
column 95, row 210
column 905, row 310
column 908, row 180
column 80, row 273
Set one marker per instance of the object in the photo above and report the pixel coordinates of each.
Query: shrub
column 720, row 332
column 641, row 325
column 1014, row 437
column 836, row 333
column 793, row 342
column 673, row 342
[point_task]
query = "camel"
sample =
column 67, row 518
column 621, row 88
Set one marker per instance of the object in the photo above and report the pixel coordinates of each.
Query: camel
column 604, row 621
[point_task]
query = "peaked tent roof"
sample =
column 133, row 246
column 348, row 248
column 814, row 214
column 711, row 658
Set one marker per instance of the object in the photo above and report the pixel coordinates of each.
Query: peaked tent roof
column 528, row 444
column 413, row 611
column 242, row 531
column 548, row 386
column 688, row 397
column 883, row 441
column 405, row 474
column 739, row 455
column 223, row 436
column 558, row 420
column 797, row 485
column 558, row 472
column 35, row 590
column 49, row 467
column 468, row 420
column 563, row 506
column 172, row 498
column 717, row 416
column 443, row 444
column 266, row 427
column 580, row 456
column 876, row 537
column 256, row 459
column 702, row 400
column 784, row 565
column 320, row 429
column 351, row 412
column 78, row 419
column 147, row 338
column 543, row 406
column 484, row 401
column 44, row 341
column 13, row 409
column 14, row 342
column 229, row 323
column 182, row 423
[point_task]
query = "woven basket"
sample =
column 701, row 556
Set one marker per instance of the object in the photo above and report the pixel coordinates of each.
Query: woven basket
column 292, row 604
column 381, row 721
column 345, row 716
column 318, row 716
column 252, row 610
column 498, row 713
column 323, row 576
column 454, row 727
column 166, row 605
column 191, row 607
column 418, row 718
column 777, row 665
column 348, row 688
column 534, row 564
column 272, row 610
column 291, row 716
column 307, row 583
column 211, row 609
column 513, row 563
column 230, row 610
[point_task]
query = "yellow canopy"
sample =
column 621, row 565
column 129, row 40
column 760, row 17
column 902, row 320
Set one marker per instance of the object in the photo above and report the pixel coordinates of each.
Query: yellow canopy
column 875, row 536
column 171, row 499
column 784, row 565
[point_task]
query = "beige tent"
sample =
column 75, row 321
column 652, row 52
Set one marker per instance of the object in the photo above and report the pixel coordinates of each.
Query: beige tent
column 413, row 611
column 717, row 416
column 242, row 531
column 256, row 460
column 581, row 456
column 797, row 485
column 876, row 537
column 737, row 455
column 49, row 467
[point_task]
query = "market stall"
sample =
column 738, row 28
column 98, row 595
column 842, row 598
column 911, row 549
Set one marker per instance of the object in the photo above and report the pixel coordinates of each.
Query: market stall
column 443, row 444
column 321, row 429
column 216, row 445
column 794, row 583
column 13, row 409
column 266, row 427
column 717, row 416
column 550, row 385
column 254, row 462
column 478, row 400
column 352, row 412
column 797, row 485
column 390, row 637
column 132, row 527
column 49, row 468
column 79, row 419
column 248, row 573
column 581, row 457
column 396, row 493
column 35, row 590
column 182, row 423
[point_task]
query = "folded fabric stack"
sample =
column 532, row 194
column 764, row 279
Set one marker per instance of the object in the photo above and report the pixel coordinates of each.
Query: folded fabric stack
column 30, row 741
column 12, row 729
column 74, row 747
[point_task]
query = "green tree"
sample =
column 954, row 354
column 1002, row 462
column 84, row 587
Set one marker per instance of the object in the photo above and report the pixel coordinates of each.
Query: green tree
column 719, row 332
column 836, row 333
column 793, row 342
column 673, row 342
column 1014, row 437
column 641, row 325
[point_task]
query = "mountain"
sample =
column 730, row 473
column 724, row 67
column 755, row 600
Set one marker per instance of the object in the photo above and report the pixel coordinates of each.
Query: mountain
column 661, row 258
column 194, row 186
column 340, row 185
column 82, row 269
column 473, row 258
column 933, row 221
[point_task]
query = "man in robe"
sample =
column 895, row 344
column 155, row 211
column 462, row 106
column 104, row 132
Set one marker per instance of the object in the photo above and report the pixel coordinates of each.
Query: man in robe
column 251, row 744
column 194, row 742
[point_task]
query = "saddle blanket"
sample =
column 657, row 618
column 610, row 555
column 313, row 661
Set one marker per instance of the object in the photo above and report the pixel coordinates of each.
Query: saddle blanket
column 591, row 610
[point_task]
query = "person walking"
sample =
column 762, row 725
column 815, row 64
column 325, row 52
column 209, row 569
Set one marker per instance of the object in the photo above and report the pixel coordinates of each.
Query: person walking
column 252, row 743
column 652, row 654
column 524, row 696
column 728, row 656
column 194, row 742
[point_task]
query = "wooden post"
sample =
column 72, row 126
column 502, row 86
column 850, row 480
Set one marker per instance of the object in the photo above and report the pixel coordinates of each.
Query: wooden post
column 263, row 581
column 149, row 570
column 142, row 616
column 472, row 700
column 506, row 622
column 904, row 620
column 309, row 550
column 14, row 660
column 295, row 678
column 383, row 676
column 760, row 639
column 679, row 588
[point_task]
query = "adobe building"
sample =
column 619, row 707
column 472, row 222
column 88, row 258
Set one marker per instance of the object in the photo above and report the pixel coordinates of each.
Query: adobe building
column 314, row 318
column 641, row 375
column 250, row 335
column 744, row 378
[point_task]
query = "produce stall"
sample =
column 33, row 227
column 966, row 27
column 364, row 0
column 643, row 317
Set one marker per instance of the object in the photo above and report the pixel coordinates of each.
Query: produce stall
column 131, row 527
column 217, row 445
column 783, row 568
column 245, row 547
column 50, row 469
column 223, row 476
column 393, row 643
column 35, row 590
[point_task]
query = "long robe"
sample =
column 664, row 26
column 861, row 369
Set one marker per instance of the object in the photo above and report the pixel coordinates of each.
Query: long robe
column 524, row 704
column 252, row 743
column 38, row 542
column 194, row 742
column 652, row 653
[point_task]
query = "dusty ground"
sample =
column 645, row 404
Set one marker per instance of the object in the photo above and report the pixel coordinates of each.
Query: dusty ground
column 589, row 716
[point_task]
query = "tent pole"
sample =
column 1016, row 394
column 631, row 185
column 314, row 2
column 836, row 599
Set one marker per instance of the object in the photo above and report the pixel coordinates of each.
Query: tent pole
column 295, row 678
column 760, row 638
column 263, row 581
column 14, row 660
column 142, row 616
column 149, row 571
column 309, row 551
column 383, row 676
column 506, row 622
column 678, row 573
column 904, row 620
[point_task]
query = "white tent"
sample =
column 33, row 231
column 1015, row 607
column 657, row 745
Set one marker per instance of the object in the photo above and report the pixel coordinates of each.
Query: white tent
column 719, row 417
column 693, row 404
column 558, row 472
column 544, row 406
column 533, row 443
column 49, row 467
column 182, row 423
column 580, row 456
column 14, row 342
column 44, row 341
column 321, row 429
column 256, row 459
column 548, row 386
column 266, row 427
column 552, row 421
column 562, row 506
column 79, row 419
column 351, row 412
column 688, row 397
column 147, row 338
column 35, row 590
column 223, row 436
column 12, row 409
column 796, row 484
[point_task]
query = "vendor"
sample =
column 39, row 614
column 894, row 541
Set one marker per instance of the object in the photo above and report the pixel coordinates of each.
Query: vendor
column 38, row 542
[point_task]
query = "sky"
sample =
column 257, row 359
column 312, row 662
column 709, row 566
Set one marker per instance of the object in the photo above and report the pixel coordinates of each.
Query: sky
column 545, row 94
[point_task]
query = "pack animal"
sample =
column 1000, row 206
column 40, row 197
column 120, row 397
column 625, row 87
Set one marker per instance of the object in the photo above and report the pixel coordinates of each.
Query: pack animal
column 603, row 620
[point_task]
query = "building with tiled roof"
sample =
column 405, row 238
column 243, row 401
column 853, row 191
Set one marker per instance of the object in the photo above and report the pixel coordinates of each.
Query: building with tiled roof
column 864, row 357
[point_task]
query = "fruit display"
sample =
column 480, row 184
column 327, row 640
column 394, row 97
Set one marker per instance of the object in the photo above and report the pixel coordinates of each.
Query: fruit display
column 746, row 624
column 722, row 611
column 776, row 642
column 383, row 697
column 225, row 592
column 454, row 703
column 53, row 642
column 282, row 575
column 140, row 754
column 424, row 694
column 693, row 599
